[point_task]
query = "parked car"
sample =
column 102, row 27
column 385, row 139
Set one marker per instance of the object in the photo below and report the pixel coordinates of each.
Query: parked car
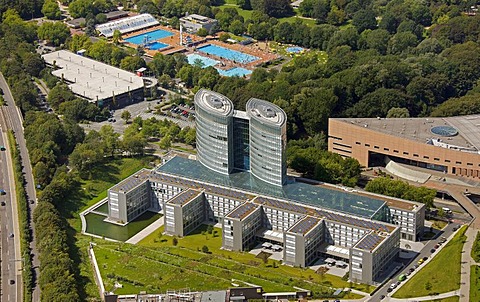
column 432, row 251
column 11, row 235
column 425, row 258
column 2, row 203
column 420, row 261
column 2, row 192
column 437, row 246
column 12, row 281
column 2, row 148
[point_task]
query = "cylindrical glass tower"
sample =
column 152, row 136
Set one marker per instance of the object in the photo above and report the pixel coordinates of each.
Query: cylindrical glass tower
column 268, row 139
column 214, row 123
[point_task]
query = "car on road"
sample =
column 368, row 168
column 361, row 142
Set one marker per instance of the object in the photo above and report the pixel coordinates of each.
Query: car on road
column 2, row 148
column 2, row 192
column 393, row 285
column 443, row 240
column 11, row 235
column 436, row 246
column 31, row 201
column 382, row 297
column 12, row 281
column 411, row 270
column 420, row 261
column 425, row 258
column 2, row 203
column 432, row 251
column 455, row 228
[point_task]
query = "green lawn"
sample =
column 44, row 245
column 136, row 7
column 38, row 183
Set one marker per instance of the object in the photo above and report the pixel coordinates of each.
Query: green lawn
column 476, row 248
column 191, row 245
column 92, row 191
column 247, row 14
column 475, row 283
column 441, row 275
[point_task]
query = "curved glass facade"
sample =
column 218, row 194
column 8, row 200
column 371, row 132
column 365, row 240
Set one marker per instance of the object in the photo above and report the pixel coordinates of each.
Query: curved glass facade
column 214, row 123
column 268, row 139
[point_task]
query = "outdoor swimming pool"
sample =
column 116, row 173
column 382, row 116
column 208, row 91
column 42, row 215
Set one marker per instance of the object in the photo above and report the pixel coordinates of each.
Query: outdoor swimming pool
column 295, row 49
column 236, row 71
column 156, row 45
column 151, row 36
column 228, row 54
column 207, row 62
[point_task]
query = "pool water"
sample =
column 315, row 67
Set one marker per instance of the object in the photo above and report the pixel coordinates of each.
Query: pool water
column 207, row 62
column 156, row 45
column 152, row 36
column 295, row 49
column 236, row 71
column 228, row 54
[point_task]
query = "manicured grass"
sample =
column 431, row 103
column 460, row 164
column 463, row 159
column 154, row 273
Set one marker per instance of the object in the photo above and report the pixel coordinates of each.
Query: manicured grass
column 438, row 224
column 475, row 283
column 191, row 244
column 476, row 248
column 92, row 191
column 441, row 275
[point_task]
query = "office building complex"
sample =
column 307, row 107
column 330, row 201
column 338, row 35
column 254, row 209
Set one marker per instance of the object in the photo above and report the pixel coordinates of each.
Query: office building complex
column 450, row 144
column 303, row 220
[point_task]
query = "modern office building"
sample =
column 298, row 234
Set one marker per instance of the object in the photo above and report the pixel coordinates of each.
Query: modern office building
column 192, row 23
column 230, row 140
column 303, row 220
column 450, row 144
column 97, row 82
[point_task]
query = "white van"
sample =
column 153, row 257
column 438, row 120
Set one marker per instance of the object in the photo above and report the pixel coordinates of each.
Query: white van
column 447, row 210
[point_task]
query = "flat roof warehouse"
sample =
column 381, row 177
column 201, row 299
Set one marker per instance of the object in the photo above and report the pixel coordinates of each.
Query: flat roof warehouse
column 92, row 79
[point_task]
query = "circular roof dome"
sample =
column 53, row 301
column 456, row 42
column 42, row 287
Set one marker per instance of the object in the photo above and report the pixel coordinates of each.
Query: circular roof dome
column 444, row 130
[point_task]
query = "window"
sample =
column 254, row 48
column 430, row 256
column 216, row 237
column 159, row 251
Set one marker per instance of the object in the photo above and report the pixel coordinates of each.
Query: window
column 458, row 162
column 436, row 158
column 405, row 153
column 367, row 145
column 395, row 151
column 376, row 147
column 447, row 160
column 358, row 143
column 426, row 157
column 415, row 155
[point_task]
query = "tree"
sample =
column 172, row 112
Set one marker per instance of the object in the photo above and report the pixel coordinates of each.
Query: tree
column 85, row 156
column 205, row 249
column 59, row 94
column 237, row 27
column 364, row 19
column 54, row 32
column 109, row 139
column 117, row 35
column 51, row 10
column 202, row 32
column 132, row 63
column 396, row 112
column 166, row 142
column 126, row 116
column 224, row 37
column 274, row 8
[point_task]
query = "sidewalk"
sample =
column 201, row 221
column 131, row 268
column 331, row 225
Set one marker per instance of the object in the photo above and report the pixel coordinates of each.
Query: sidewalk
column 467, row 261
column 427, row 298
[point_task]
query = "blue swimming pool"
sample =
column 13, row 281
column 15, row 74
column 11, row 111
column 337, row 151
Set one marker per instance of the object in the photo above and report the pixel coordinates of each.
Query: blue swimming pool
column 156, row 45
column 295, row 49
column 151, row 36
column 228, row 54
column 236, row 71
column 206, row 62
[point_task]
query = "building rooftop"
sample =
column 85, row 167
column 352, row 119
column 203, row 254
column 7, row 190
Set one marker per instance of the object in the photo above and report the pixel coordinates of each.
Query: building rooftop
column 116, row 14
column 92, row 79
column 265, row 112
column 318, row 196
column 184, row 197
column 323, row 214
column 242, row 210
column 304, row 225
column 214, row 102
column 460, row 133
column 127, row 25
column 76, row 23
column 132, row 181
column 369, row 242
column 197, row 19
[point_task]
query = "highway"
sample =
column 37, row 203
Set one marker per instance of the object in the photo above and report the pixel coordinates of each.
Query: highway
column 11, row 266
column 13, row 120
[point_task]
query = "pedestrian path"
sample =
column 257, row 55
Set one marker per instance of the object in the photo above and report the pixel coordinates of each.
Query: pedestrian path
column 146, row 231
column 427, row 298
column 467, row 262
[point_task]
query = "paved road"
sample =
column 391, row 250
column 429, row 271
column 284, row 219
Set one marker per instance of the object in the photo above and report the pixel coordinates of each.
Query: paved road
column 11, row 266
column 15, row 122
column 425, row 252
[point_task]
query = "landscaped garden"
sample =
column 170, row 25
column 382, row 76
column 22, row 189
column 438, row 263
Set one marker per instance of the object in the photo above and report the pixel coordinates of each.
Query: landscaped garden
column 440, row 275
column 197, row 260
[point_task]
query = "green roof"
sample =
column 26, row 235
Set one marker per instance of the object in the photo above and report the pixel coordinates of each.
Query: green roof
column 330, row 199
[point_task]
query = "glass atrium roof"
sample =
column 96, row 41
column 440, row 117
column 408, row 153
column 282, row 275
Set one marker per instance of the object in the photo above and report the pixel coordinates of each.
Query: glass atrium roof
column 335, row 200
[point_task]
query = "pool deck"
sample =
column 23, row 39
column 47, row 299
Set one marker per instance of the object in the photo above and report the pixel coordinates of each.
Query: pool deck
column 264, row 55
